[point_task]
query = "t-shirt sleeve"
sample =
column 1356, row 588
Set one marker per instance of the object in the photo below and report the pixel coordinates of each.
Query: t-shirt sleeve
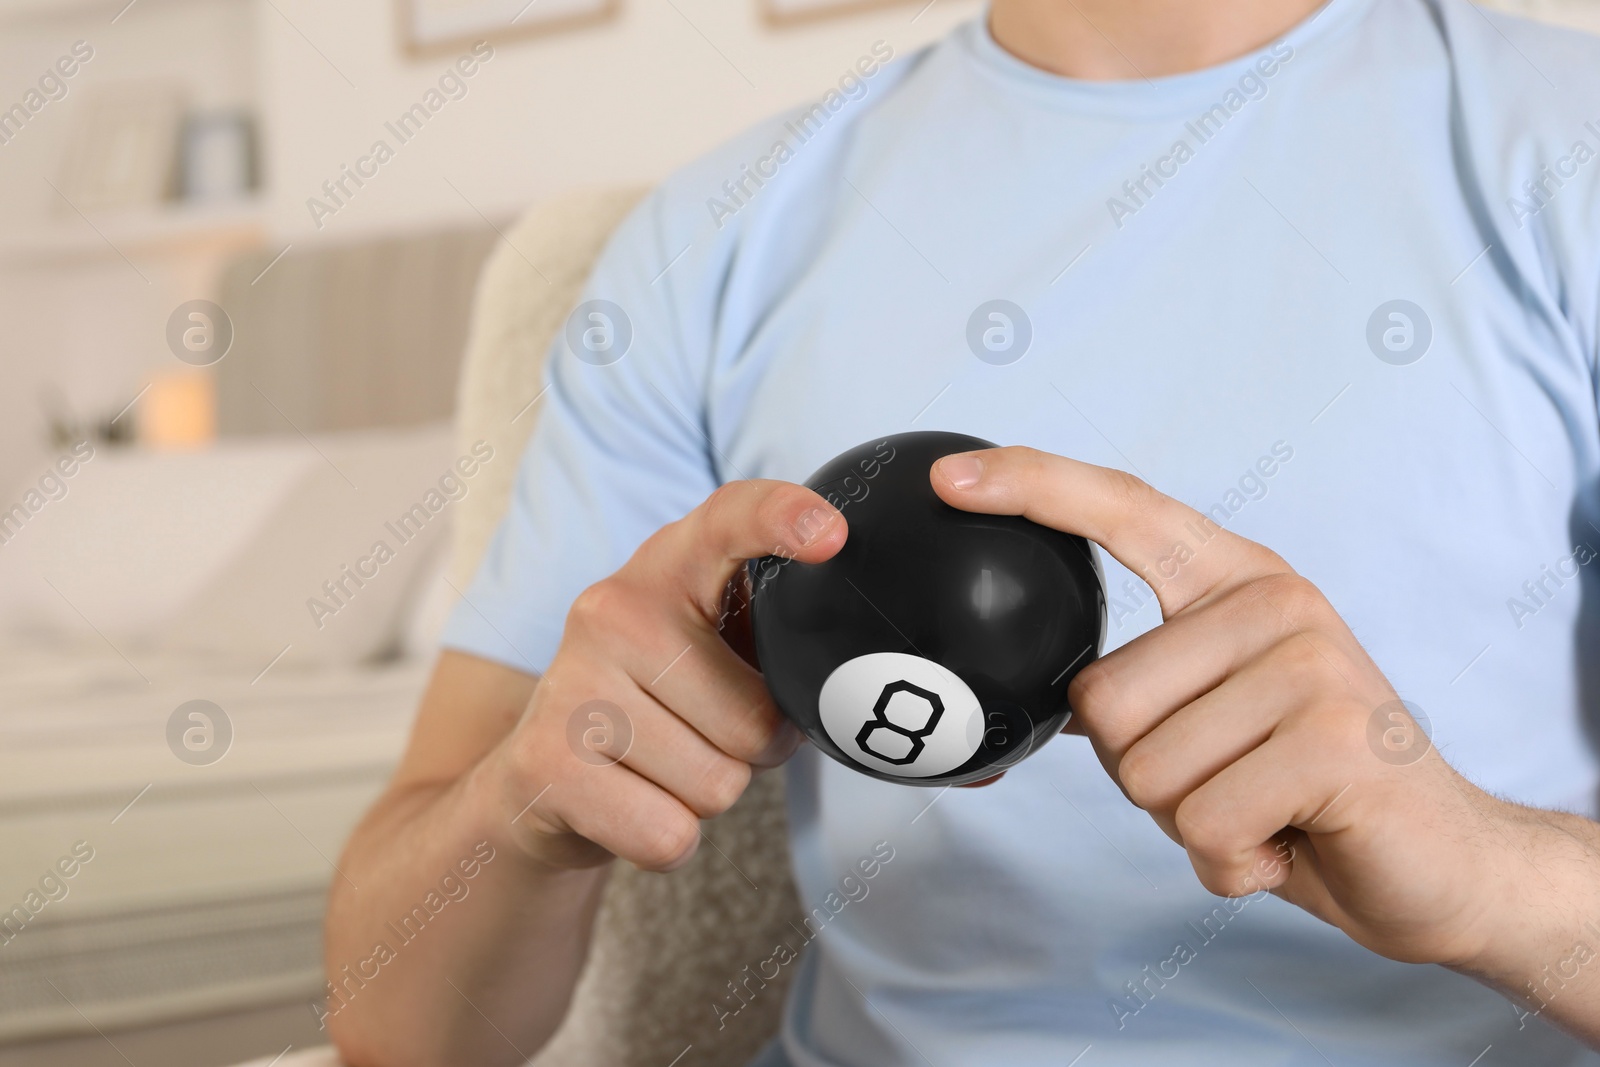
column 616, row 454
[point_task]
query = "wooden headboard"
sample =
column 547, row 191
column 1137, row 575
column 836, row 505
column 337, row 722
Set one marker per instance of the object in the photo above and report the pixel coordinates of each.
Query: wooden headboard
column 348, row 336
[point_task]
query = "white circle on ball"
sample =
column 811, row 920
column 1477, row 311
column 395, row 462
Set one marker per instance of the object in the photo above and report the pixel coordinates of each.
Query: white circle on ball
column 901, row 714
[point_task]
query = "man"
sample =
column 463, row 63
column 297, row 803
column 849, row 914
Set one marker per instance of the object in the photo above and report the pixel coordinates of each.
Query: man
column 1329, row 277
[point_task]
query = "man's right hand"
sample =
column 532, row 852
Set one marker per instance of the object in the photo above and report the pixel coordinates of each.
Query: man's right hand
column 647, row 721
column 499, row 758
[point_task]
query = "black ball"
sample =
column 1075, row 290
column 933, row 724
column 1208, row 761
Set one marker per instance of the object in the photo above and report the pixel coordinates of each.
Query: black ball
column 937, row 646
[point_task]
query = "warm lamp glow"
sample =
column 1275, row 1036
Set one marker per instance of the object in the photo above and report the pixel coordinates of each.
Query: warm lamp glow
column 179, row 410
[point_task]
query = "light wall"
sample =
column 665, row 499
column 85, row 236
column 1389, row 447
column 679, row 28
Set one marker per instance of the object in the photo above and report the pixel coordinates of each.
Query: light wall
column 75, row 318
column 623, row 102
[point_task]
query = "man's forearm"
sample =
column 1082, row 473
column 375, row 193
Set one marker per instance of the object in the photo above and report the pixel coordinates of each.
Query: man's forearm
column 1547, row 958
column 445, row 943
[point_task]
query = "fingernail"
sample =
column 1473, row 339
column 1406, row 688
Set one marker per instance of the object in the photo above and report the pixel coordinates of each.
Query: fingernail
column 962, row 471
column 785, row 743
column 813, row 523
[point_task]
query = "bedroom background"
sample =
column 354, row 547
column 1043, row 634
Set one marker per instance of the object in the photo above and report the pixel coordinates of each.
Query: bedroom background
column 218, row 312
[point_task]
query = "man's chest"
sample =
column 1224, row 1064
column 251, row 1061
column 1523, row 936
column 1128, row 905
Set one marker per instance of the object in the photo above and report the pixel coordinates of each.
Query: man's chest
column 1418, row 446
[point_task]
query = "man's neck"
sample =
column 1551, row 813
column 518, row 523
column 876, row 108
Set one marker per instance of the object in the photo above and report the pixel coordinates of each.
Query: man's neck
column 1109, row 40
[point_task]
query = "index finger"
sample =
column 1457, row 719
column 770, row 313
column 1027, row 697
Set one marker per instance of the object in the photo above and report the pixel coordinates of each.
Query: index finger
column 1182, row 554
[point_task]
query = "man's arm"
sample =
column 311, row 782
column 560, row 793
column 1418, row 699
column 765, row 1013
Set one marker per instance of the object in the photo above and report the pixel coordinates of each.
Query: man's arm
column 1259, row 735
column 440, row 805
column 1546, row 957
column 500, row 766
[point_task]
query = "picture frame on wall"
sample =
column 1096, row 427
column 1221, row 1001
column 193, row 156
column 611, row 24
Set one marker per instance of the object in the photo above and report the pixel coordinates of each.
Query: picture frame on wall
column 430, row 26
column 795, row 12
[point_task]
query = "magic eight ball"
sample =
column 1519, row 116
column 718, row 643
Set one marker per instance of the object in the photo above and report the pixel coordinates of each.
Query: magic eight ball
column 937, row 646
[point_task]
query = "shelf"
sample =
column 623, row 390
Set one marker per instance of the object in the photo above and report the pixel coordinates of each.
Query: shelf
column 171, row 230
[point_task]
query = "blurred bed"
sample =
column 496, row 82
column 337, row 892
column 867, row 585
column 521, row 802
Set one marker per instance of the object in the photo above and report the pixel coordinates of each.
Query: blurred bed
column 163, row 579
column 292, row 577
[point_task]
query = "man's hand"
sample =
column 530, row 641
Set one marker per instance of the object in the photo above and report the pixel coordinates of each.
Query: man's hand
column 647, row 721
column 1259, row 735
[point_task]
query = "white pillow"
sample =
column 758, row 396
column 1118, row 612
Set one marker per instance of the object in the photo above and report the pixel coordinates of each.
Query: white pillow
column 129, row 536
column 327, row 573
column 224, row 553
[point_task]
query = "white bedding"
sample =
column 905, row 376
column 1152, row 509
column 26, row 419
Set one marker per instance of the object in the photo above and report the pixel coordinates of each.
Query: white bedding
column 223, row 552
column 207, row 891
column 159, row 580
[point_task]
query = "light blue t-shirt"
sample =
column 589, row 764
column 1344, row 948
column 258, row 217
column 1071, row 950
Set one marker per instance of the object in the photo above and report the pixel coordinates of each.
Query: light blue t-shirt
column 1341, row 294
